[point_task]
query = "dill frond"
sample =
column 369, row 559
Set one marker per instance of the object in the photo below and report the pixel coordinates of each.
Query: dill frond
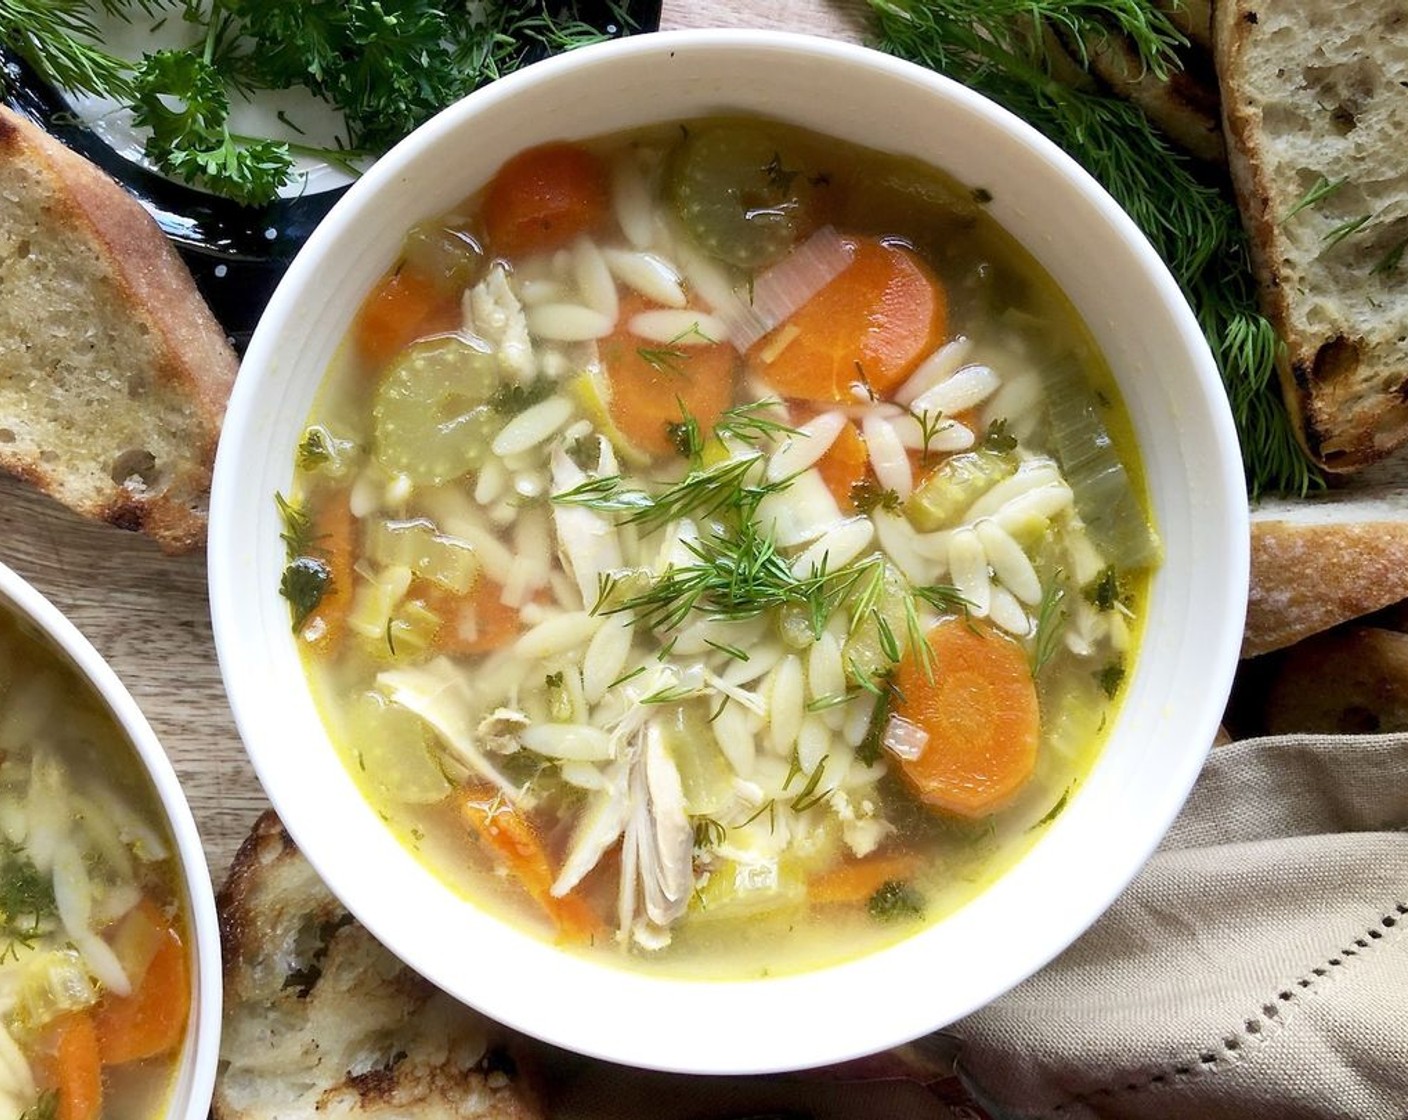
column 1001, row 49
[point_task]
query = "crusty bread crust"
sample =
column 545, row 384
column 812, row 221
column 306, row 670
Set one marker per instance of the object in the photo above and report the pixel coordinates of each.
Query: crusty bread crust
column 113, row 373
column 1353, row 680
column 322, row 1022
column 1314, row 94
column 1310, row 573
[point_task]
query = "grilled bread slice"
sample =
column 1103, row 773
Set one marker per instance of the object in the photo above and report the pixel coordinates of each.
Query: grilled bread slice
column 113, row 373
column 1315, row 109
column 321, row 1022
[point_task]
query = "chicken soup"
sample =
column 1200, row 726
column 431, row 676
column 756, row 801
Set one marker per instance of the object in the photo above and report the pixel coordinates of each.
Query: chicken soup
column 718, row 549
column 95, row 984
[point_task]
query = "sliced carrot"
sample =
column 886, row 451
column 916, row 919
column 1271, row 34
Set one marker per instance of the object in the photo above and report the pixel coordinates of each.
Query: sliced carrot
column 846, row 462
column 651, row 384
column 152, row 1020
column 542, row 198
column 980, row 713
column 872, row 324
column 405, row 306
column 516, row 844
column 476, row 622
column 68, row 1061
column 335, row 542
column 854, row 881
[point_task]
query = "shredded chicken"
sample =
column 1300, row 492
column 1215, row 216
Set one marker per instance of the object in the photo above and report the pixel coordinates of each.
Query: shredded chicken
column 499, row 730
column 589, row 544
column 493, row 312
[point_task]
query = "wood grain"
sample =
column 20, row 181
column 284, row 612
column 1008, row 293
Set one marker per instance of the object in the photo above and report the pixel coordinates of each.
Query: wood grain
column 147, row 613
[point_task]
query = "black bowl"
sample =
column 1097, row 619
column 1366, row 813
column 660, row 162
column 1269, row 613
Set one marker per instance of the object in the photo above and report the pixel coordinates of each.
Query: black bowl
column 236, row 253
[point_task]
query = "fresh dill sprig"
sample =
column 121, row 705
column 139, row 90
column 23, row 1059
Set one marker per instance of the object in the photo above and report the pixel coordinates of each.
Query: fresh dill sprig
column 930, row 425
column 60, row 41
column 810, row 795
column 752, row 422
column 708, row 833
column 386, row 67
column 1322, row 189
column 722, row 488
column 686, row 435
column 1334, row 236
column 1390, row 261
column 1001, row 48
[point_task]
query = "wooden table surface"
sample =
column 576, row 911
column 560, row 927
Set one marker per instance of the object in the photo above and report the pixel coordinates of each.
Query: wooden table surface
column 147, row 613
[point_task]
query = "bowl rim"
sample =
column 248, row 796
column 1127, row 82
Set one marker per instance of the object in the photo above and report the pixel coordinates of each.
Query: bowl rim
column 194, row 1079
column 229, row 564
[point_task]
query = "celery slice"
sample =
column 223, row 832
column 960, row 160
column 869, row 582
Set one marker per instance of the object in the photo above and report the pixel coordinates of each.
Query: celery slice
column 951, row 489
column 1105, row 496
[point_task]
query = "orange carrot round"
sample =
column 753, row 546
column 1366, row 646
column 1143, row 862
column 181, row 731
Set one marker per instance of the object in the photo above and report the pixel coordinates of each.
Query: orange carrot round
column 872, row 324
column 476, row 622
column 543, row 198
column 648, row 382
column 152, row 1020
column 335, row 543
column 515, row 843
column 853, row 882
column 980, row 713
column 846, row 462
column 69, row 1062
column 403, row 307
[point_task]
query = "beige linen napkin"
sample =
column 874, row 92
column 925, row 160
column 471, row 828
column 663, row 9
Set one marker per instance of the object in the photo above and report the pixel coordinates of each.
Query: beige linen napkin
column 1258, row 966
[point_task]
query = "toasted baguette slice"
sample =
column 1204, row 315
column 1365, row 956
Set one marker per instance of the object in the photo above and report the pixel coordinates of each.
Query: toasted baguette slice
column 321, row 1022
column 113, row 373
column 1321, row 561
column 1313, row 94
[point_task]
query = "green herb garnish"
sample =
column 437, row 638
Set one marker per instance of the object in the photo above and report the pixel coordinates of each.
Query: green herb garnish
column 999, row 437
column 867, row 496
column 26, row 899
column 1006, row 50
column 306, row 576
column 1103, row 592
column 1318, row 192
column 1055, row 810
column 1111, row 677
column 513, row 397
column 751, row 422
column 1390, row 261
column 387, row 66
column 45, row 1107
column 1345, row 229
column 868, row 753
column 708, row 833
column 895, row 901
column 304, row 582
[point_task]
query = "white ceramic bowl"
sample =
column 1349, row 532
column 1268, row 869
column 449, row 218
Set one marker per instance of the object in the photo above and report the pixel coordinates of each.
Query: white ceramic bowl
column 1178, row 685
column 195, row 1076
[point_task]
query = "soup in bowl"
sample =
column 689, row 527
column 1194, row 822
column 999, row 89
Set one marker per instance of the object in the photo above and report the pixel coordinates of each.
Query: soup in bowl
column 726, row 540
column 109, row 951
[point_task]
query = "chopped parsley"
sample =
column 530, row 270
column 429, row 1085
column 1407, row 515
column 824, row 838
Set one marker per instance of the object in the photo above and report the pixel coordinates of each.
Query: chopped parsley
column 895, row 901
column 1111, row 677
column 513, row 397
column 867, row 496
column 1105, row 591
